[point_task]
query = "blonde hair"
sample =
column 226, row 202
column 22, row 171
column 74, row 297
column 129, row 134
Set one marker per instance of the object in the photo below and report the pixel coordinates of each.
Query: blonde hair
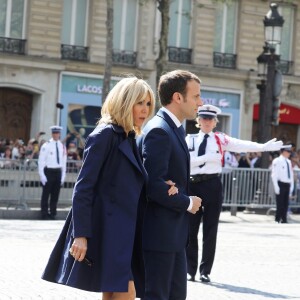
column 118, row 106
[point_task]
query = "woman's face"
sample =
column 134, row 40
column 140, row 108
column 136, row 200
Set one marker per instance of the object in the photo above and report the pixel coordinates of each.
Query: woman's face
column 207, row 125
column 141, row 111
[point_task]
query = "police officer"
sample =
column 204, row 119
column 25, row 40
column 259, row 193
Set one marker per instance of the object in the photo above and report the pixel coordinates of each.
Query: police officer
column 283, row 182
column 206, row 150
column 52, row 170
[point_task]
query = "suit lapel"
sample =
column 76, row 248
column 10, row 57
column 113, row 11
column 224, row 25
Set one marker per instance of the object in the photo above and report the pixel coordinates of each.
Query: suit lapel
column 175, row 129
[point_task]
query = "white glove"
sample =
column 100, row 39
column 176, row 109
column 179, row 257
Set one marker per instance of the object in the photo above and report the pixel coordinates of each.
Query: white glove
column 272, row 145
column 43, row 180
column 213, row 157
column 276, row 189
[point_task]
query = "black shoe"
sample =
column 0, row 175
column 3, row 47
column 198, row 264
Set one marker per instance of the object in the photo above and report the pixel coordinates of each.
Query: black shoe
column 192, row 278
column 46, row 217
column 204, row 278
column 52, row 217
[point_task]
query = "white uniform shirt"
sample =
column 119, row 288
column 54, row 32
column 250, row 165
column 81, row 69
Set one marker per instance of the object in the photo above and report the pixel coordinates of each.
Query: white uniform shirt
column 227, row 143
column 47, row 158
column 280, row 172
column 230, row 160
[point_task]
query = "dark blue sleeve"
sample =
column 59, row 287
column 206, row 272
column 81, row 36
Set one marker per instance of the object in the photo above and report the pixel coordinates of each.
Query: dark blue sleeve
column 95, row 154
column 156, row 152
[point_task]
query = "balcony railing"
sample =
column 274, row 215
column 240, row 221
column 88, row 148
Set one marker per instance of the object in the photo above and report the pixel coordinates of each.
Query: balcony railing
column 225, row 60
column 180, row 55
column 9, row 45
column 73, row 52
column 124, row 57
column 285, row 66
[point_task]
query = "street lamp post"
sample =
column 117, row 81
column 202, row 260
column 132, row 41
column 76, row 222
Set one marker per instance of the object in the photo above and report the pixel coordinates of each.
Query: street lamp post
column 273, row 23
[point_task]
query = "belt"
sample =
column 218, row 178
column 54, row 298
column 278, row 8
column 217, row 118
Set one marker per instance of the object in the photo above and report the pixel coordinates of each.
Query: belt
column 53, row 169
column 202, row 177
column 284, row 183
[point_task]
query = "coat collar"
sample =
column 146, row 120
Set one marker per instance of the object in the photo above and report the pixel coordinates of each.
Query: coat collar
column 127, row 150
column 117, row 128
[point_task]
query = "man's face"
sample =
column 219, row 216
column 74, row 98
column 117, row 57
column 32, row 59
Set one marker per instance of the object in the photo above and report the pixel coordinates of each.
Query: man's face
column 191, row 101
column 56, row 135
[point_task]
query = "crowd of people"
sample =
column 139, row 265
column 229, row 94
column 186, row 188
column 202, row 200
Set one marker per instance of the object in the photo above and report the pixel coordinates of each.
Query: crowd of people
column 14, row 153
column 253, row 159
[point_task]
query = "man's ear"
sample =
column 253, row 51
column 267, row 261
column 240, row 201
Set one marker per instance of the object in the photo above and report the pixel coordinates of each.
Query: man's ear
column 176, row 97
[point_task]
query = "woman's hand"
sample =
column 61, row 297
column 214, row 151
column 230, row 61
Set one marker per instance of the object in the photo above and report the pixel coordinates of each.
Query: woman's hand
column 173, row 190
column 79, row 248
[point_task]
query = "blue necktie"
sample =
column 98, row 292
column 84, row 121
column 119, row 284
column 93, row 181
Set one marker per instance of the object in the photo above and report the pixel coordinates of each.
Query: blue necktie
column 202, row 147
column 288, row 169
column 57, row 154
column 181, row 130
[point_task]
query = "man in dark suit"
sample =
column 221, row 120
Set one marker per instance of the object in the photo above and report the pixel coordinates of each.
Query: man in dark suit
column 166, row 156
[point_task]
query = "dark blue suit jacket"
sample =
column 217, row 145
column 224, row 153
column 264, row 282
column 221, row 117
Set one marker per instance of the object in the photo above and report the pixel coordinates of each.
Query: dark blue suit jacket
column 107, row 197
column 165, row 156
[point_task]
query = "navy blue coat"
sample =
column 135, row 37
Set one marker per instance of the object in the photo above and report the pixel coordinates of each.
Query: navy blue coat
column 165, row 156
column 108, row 201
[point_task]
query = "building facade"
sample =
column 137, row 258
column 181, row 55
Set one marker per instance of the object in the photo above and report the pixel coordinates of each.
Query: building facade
column 53, row 51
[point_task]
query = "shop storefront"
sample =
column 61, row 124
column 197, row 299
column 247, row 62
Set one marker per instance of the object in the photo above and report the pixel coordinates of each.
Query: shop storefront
column 81, row 97
column 229, row 103
column 289, row 121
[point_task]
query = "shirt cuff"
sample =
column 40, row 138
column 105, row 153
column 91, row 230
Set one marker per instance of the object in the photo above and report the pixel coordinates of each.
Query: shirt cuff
column 191, row 204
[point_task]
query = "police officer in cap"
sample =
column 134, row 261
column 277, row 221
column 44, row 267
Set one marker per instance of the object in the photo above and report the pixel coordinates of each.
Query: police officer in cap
column 283, row 182
column 52, row 170
column 206, row 150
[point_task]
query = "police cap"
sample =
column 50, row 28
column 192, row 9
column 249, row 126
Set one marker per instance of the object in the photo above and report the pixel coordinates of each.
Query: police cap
column 208, row 111
column 56, row 129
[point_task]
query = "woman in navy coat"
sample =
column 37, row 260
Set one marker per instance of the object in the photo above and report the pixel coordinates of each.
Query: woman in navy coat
column 99, row 248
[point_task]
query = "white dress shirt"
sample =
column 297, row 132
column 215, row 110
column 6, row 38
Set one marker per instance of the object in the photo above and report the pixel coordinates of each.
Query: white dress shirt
column 227, row 143
column 172, row 116
column 280, row 172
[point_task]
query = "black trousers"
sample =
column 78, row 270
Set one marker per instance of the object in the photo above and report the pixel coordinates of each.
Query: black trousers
column 165, row 275
column 282, row 202
column 211, row 193
column 52, row 189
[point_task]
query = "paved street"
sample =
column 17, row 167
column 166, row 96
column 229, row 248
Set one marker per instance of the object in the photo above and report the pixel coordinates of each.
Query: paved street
column 256, row 259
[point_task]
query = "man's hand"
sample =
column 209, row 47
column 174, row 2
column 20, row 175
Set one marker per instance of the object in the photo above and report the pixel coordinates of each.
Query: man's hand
column 196, row 204
column 276, row 190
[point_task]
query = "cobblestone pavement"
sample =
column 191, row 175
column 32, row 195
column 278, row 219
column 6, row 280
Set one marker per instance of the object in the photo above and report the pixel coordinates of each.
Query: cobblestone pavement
column 256, row 259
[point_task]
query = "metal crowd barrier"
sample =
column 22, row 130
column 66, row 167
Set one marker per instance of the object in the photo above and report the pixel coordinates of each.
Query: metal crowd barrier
column 20, row 186
column 253, row 188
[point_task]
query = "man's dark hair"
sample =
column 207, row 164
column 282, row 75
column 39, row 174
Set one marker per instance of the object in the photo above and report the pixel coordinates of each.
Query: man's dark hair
column 174, row 82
